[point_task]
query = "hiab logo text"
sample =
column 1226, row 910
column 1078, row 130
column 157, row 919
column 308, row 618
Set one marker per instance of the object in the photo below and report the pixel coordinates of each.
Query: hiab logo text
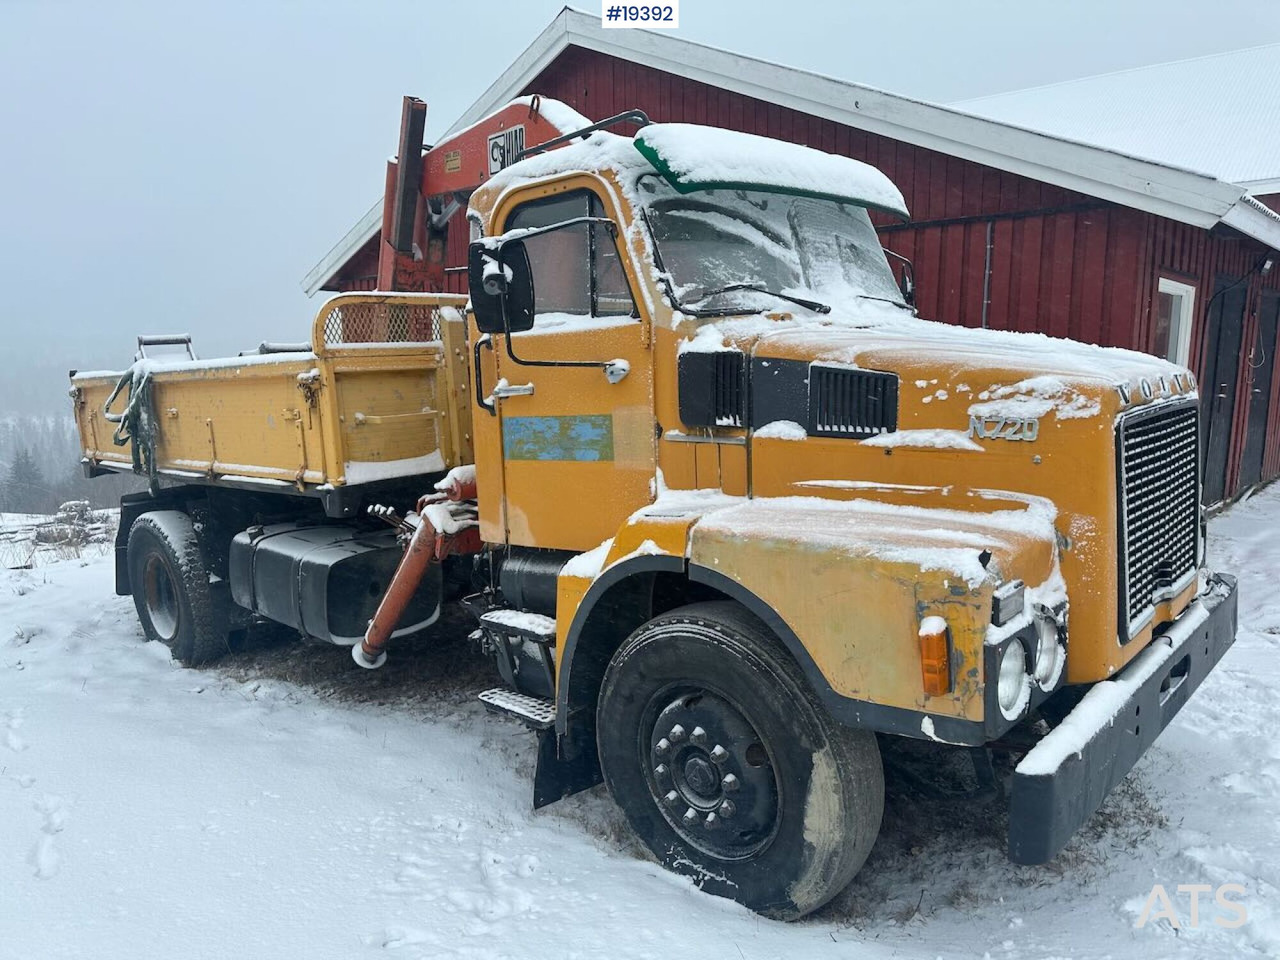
column 1231, row 914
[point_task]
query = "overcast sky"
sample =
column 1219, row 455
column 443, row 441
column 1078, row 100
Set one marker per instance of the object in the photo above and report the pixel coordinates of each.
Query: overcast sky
column 174, row 167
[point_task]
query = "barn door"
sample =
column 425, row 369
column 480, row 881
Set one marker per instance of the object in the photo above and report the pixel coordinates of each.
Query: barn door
column 1262, row 361
column 1218, row 387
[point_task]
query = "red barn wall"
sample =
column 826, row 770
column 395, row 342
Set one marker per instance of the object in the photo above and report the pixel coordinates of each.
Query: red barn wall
column 456, row 240
column 360, row 273
column 1201, row 256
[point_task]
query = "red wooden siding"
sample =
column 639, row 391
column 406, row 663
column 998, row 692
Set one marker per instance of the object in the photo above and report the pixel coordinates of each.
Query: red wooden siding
column 360, row 273
column 1201, row 256
column 457, row 238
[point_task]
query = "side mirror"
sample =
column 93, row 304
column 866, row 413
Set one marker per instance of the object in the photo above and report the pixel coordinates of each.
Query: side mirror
column 501, row 287
column 908, row 285
column 905, row 275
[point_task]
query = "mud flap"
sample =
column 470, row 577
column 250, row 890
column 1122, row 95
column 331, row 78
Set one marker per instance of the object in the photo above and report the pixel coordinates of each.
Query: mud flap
column 561, row 772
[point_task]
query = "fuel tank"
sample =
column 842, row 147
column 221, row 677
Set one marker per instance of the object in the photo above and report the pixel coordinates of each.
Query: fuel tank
column 324, row 580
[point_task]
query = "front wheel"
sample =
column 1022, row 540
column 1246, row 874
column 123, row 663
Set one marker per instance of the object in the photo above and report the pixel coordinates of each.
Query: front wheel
column 727, row 766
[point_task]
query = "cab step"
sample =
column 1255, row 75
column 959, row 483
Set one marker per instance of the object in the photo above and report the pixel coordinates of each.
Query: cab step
column 536, row 712
column 516, row 623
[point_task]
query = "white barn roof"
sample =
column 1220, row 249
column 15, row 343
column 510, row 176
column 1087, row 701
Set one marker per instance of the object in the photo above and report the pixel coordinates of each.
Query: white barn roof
column 1217, row 114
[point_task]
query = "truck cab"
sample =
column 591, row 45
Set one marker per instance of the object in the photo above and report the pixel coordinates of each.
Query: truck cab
column 949, row 532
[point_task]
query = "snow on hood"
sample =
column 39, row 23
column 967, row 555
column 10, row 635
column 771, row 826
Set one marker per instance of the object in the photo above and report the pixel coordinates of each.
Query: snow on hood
column 849, row 335
column 951, row 541
column 879, row 522
column 1033, row 370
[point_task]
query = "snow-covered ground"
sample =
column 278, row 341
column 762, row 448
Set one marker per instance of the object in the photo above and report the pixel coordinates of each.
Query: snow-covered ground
column 286, row 804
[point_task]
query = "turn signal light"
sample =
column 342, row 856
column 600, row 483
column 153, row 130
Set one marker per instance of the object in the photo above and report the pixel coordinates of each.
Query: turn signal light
column 935, row 656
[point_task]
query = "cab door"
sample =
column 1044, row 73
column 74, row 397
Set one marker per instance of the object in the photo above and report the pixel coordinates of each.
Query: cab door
column 577, row 441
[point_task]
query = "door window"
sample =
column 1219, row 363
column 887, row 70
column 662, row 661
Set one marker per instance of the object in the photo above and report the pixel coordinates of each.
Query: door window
column 577, row 271
column 1175, row 303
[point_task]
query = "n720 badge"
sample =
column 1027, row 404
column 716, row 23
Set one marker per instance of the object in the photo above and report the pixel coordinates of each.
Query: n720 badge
column 1004, row 428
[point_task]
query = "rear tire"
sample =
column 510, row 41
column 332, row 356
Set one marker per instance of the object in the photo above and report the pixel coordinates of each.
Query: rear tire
column 728, row 767
column 170, row 583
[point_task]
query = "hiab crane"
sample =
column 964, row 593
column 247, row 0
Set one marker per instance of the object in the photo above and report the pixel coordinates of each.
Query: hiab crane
column 726, row 510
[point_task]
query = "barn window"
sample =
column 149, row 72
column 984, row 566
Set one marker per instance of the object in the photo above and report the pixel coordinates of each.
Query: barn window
column 1175, row 306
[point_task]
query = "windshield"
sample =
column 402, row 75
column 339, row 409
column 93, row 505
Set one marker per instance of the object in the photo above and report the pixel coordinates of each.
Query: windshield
column 800, row 247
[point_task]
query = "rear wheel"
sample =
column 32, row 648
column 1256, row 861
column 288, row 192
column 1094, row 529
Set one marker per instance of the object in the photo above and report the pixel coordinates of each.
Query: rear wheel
column 170, row 583
column 727, row 766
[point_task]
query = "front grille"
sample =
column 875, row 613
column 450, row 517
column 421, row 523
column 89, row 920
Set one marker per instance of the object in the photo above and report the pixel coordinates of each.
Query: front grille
column 1159, row 506
column 851, row 403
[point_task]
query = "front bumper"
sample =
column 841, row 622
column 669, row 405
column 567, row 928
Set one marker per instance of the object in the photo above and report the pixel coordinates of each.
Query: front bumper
column 1060, row 783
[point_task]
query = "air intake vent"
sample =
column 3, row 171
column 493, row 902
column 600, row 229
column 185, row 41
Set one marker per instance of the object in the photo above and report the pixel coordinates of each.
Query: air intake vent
column 851, row 403
column 713, row 389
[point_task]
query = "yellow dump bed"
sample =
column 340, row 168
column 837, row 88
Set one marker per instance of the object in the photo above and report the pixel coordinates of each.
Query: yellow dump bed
column 381, row 395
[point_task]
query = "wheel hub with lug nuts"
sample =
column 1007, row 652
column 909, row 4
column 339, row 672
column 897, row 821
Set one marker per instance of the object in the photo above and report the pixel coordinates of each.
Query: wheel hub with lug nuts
column 701, row 776
column 712, row 777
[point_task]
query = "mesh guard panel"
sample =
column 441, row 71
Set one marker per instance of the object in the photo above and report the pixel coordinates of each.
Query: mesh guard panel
column 377, row 322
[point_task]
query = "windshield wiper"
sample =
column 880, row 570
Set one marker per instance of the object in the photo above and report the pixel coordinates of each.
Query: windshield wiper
column 895, row 303
column 813, row 305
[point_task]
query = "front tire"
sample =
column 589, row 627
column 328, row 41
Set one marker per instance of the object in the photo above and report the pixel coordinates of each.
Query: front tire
column 728, row 767
column 170, row 583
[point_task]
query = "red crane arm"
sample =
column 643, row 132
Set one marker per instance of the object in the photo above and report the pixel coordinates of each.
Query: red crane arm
column 411, row 255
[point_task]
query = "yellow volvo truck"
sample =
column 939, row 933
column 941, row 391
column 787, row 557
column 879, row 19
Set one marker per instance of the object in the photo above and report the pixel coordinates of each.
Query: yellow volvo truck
column 726, row 509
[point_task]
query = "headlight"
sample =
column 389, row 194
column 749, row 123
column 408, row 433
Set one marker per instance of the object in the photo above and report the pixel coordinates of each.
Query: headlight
column 1012, row 691
column 1048, row 652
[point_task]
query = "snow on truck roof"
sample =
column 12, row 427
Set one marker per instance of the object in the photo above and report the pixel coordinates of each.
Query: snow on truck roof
column 692, row 157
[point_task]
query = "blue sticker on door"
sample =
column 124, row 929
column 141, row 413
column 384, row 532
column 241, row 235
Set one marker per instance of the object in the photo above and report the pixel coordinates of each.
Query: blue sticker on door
column 584, row 438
